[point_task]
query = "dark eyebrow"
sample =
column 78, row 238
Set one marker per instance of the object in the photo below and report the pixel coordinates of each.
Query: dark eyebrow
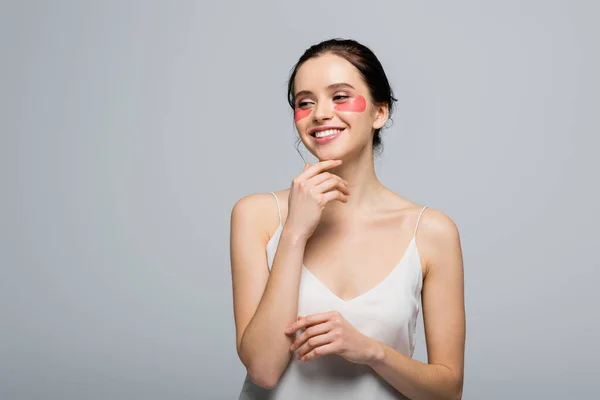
column 332, row 86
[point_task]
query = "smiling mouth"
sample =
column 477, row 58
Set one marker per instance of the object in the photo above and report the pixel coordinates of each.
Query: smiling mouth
column 328, row 132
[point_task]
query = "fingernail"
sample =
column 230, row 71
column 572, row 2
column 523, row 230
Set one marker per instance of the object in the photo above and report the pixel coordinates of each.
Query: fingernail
column 288, row 330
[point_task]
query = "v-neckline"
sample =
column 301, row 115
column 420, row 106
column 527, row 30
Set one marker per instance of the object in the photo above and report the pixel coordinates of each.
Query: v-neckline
column 368, row 291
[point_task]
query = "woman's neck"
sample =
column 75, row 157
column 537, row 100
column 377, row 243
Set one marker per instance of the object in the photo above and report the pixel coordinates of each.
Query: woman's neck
column 364, row 186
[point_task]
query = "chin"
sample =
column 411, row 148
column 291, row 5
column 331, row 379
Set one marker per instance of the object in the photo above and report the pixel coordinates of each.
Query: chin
column 331, row 155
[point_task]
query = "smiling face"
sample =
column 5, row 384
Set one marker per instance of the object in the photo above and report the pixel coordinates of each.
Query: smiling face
column 334, row 111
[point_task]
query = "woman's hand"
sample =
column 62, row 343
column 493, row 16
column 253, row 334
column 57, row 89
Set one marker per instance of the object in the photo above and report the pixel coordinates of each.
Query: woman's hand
column 330, row 333
column 310, row 192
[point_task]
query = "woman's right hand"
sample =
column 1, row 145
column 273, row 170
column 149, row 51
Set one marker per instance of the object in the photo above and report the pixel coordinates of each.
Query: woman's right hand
column 310, row 192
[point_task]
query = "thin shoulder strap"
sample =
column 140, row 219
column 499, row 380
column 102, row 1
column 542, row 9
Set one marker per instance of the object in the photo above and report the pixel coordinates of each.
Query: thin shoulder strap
column 278, row 209
column 418, row 219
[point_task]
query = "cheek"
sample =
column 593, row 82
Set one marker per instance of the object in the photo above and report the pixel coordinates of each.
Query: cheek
column 358, row 104
column 301, row 114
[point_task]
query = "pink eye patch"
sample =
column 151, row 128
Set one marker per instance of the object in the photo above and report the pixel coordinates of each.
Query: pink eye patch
column 358, row 104
column 300, row 113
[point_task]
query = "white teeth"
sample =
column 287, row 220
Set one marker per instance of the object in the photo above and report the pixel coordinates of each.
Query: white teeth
column 328, row 132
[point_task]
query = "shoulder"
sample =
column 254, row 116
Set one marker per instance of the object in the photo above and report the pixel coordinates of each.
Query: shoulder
column 251, row 202
column 435, row 223
column 438, row 237
column 256, row 210
column 255, row 206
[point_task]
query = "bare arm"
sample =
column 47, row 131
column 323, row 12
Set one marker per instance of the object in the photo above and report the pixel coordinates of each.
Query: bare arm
column 444, row 321
column 264, row 303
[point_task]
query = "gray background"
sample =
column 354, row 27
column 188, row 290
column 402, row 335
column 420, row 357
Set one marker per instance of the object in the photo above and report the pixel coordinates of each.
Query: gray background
column 129, row 130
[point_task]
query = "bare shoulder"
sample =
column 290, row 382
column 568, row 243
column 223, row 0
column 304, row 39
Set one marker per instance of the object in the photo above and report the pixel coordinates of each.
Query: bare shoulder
column 438, row 239
column 257, row 210
column 436, row 223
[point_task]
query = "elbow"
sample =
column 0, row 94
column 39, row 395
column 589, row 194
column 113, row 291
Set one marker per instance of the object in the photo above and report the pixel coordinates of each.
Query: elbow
column 458, row 389
column 454, row 385
column 261, row 371
column 259, row 374
column 262, row 379
column 457, row 396
column 262, row 375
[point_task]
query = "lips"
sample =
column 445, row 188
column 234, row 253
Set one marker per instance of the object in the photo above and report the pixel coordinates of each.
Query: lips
column 331, row 135
column 325, row 130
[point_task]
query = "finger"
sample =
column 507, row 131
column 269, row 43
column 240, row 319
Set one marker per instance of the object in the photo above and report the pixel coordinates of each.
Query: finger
column 310, row 320
column 331, row 184
column 319, row 167
column 325, row 176
column 329, row 348
column 305, row 167
column 313, row 343
column 314, row 330
column 335, row 195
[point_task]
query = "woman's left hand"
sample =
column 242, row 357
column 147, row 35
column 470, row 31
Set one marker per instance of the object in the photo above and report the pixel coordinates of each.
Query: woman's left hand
column 330, row 333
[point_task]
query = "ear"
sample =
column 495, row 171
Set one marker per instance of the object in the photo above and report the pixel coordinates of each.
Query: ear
column 381, row 116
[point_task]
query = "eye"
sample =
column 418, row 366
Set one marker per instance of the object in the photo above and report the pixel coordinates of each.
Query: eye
column 303, row 103
column 340, row 97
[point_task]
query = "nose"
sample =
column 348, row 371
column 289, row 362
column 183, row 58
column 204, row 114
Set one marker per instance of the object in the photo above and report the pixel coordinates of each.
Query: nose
column 323, row 111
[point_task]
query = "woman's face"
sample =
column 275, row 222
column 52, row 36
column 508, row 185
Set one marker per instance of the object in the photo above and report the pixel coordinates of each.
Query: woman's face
column 331, row 99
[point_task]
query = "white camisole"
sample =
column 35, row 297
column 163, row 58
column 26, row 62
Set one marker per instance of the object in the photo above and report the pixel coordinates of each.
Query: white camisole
column 388, row 313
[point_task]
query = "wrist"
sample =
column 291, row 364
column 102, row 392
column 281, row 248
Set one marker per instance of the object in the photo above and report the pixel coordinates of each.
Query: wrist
column 376, row 354
column 294, row 237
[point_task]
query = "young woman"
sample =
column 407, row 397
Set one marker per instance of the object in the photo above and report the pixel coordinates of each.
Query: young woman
column 329, row 275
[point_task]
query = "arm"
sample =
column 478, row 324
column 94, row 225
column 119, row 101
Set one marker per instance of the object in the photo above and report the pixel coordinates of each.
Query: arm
column 264, row 303
column 443, row 316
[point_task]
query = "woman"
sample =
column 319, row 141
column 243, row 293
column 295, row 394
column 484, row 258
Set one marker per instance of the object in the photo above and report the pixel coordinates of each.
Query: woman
column 328, row 275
